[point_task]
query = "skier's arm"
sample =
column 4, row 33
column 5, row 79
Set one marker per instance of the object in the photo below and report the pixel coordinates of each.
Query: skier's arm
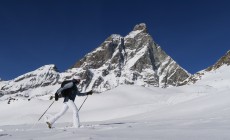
column 57, row 94
column 86, row 93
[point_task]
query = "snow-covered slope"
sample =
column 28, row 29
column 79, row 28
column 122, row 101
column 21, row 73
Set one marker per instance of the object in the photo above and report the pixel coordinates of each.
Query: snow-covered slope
column 199, row 111
column 218, row 78
column 217, row 70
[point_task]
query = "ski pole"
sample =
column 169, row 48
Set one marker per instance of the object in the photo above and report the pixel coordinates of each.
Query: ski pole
column 42, row 115
column 45, row 111
column 83, row 103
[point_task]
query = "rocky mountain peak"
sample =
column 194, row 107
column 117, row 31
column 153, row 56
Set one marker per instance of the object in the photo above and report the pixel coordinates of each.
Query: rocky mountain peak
column 133, row 59
column 141, row 26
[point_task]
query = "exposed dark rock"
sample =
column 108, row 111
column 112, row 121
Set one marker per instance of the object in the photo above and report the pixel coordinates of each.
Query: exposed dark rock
column 134, row 57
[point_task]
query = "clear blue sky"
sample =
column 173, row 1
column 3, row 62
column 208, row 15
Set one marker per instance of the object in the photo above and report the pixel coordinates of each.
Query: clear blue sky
column 33, row 33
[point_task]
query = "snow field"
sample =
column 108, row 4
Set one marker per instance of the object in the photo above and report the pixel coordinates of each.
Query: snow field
column 193, row 112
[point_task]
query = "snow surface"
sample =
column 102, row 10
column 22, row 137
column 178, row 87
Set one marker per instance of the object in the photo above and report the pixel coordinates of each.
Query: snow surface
column 193, row 112
column 133, row 34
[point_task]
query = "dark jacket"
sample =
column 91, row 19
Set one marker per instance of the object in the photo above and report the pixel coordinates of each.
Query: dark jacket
column 68, row 90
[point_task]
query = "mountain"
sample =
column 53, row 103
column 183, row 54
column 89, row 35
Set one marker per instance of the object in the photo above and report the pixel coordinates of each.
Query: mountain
column 134, row 59
column 26, row 84
column 131, row 60
column 222, row 63
column 40, row 82
column 225, row 60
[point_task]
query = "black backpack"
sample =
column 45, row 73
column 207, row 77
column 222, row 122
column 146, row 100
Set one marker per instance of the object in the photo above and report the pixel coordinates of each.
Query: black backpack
column 66, row 92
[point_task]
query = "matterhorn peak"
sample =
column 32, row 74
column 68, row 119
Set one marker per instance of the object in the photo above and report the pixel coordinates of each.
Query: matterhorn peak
column 141, row 26
column 139, row 31
column 134, row 59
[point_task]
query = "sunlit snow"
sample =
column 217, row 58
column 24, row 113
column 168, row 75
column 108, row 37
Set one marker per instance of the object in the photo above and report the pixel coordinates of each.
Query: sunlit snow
column 192, row 112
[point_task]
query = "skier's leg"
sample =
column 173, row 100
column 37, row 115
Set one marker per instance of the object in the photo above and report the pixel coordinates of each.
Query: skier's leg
column 76, row 121
column 58, row 115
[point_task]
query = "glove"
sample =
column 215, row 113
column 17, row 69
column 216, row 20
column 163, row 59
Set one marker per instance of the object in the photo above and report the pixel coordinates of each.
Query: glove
column 51, row 97
column 56, row 97
column 90, row 92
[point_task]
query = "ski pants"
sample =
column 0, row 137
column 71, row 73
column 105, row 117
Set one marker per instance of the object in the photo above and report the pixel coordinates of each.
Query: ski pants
column 66, row 105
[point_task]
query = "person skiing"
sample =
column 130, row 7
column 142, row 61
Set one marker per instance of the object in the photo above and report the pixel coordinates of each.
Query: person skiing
column 68, row 91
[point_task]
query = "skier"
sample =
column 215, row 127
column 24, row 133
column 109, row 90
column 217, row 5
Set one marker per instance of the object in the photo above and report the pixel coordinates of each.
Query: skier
column 68, row 91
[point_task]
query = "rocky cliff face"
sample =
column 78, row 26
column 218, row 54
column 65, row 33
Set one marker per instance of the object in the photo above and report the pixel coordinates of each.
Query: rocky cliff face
column 133, row 59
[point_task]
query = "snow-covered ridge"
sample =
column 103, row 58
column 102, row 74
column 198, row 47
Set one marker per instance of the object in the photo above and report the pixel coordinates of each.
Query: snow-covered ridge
column 220, row 65
column 42, row 77
column 133, row 34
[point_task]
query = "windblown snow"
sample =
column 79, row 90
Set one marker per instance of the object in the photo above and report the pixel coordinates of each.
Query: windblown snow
column 193, row 112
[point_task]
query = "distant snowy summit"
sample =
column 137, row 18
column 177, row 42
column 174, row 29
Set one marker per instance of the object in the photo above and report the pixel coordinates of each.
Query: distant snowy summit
column 21, row 86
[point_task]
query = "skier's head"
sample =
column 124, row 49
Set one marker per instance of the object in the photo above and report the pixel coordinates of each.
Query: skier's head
column 77, row 79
